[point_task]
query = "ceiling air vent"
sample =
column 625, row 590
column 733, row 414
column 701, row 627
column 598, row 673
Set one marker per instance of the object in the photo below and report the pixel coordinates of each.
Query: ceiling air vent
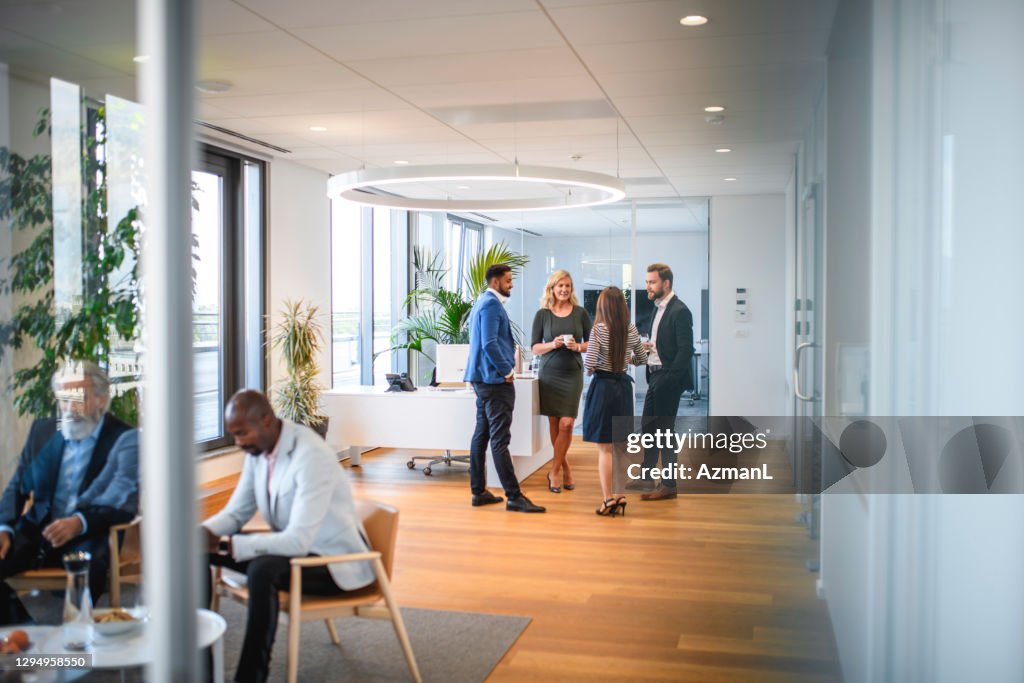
column 240, row 136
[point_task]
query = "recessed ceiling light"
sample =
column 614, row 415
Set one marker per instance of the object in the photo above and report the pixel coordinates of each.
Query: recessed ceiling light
column 462, row 187
column 729, row 180
column 140, row 59
column 318, row 129
column 723, row 150
column 212, row 87
column 693, row 20
column 401, row 161
column 714, row 108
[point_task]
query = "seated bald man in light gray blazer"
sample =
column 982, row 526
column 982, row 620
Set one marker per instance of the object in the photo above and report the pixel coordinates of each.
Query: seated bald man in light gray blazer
column 293, row 478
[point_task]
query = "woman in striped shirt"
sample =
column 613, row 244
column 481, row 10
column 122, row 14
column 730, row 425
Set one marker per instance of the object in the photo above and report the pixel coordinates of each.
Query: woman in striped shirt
column 614, row 343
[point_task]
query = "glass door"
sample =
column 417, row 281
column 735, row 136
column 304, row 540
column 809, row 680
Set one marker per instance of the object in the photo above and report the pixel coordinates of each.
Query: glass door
column 808, row 357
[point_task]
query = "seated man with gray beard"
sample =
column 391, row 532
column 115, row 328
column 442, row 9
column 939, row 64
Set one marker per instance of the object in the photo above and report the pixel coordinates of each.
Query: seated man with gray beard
column 62, row 518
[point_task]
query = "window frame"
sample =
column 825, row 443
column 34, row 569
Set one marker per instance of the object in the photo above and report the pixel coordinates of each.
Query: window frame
column 235, row 346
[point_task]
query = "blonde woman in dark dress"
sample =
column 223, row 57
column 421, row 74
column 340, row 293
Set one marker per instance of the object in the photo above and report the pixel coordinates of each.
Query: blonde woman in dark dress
column 561, row 330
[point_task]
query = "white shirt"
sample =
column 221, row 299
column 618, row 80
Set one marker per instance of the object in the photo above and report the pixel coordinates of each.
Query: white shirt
column 660, row 304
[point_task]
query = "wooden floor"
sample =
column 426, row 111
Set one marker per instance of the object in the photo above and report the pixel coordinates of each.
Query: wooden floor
column 703, row 588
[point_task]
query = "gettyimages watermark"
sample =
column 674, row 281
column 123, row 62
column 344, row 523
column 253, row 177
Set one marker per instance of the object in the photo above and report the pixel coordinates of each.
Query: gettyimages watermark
column 861, row 455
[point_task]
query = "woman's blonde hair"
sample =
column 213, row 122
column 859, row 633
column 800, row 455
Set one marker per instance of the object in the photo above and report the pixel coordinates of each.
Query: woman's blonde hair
column 547, row 299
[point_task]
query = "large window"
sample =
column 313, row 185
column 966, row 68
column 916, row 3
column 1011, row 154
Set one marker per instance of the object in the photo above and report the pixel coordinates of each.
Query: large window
column 369, row 282
column 464, row 240
column 382, row 290
column 346, row 292
column 227, row 304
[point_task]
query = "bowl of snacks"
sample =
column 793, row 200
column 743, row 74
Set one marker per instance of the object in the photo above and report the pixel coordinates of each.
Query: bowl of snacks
column 15, row 642
column 116, row 621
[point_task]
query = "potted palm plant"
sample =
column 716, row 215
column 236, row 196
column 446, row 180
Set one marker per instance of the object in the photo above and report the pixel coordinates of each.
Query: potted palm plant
column 299, row 337
column 440, row 315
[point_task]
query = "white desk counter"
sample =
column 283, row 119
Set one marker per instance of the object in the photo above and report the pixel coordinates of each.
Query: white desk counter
column 434, row 419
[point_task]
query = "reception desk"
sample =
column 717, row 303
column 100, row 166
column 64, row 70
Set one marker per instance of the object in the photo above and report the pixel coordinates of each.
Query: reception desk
column 433, row 419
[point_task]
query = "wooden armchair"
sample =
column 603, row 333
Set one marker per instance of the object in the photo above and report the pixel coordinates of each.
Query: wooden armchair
column 125, row 557
column 381, row 524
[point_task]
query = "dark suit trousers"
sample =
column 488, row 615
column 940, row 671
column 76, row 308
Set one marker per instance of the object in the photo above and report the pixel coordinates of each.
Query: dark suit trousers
column 664, row 389
column 266, row 576
column 494, row 405
column 30, row 550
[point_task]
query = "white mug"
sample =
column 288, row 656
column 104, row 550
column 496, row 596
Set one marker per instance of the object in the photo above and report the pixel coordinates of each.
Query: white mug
column 567, row 339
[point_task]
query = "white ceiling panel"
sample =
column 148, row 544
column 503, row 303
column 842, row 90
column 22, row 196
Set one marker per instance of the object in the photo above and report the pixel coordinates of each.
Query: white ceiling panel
column 403, row 150
column 330, row 12
column 737, row 101
column 472, row 68
column 218, row 17
column 780, row 48
column 777, row 120
column 498, row 92
column 116, row 55
column 72, row 24
column 421, row 37
column 545, row 129
column 248, row 50
column 282, row 81
column 680, row 79
column 655, row 21
column 32, row 58
column 314, row 102
column 208, row 110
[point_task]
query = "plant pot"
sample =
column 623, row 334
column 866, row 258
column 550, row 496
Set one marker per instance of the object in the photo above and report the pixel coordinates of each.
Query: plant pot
column 321, row 428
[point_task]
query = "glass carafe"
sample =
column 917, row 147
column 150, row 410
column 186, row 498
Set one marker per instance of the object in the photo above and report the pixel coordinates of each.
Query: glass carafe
column 78, row 624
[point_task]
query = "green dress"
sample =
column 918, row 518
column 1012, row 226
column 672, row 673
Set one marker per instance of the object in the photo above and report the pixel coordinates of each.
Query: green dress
column 561, row 370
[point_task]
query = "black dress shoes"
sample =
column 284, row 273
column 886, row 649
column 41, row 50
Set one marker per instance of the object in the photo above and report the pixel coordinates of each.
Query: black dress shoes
column 486, row 498
column 521, row 503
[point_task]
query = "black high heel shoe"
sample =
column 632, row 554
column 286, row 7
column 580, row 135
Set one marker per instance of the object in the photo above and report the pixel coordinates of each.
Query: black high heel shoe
column 620, row 505
column 566, row 486
column 552, row 487
column 607, row 510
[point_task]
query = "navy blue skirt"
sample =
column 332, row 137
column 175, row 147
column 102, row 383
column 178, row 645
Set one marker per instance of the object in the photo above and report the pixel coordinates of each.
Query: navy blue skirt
column 610, row 395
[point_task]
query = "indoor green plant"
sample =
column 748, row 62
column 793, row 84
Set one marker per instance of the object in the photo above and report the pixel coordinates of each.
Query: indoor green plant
column 441, row 315
column 109, row 311
column 299, row 337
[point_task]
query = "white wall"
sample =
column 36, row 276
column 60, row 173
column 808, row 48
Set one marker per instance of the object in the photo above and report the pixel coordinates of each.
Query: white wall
column 299, row 250
column 748, row 244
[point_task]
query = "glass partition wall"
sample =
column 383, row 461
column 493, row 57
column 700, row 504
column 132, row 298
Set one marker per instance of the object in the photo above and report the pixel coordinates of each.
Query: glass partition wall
column 600, row 248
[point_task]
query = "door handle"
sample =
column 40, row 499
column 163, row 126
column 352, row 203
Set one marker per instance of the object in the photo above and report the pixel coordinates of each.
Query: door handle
column 800, row 348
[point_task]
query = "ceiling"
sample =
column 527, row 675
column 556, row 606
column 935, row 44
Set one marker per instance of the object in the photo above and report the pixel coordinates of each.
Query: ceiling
column 619, row 84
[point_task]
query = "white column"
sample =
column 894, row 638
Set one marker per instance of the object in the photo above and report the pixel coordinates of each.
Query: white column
column 168, row 490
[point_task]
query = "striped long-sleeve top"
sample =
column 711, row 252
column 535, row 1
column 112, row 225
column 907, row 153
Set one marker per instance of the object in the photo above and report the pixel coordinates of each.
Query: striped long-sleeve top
column 598, row 350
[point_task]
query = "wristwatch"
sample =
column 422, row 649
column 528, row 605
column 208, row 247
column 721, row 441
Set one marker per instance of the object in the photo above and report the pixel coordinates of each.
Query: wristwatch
column 224, row 546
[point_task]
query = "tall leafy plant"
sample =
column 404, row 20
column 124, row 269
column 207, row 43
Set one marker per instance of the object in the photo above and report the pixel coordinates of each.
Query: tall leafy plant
column 299, row 336
column 109, row 313
column 441, row 315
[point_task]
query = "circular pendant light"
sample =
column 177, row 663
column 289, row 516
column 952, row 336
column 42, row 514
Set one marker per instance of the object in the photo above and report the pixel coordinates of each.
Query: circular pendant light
column 565, row 188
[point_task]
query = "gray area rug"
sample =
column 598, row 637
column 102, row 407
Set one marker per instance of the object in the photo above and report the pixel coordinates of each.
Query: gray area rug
column 450, row 647
column 455, row 647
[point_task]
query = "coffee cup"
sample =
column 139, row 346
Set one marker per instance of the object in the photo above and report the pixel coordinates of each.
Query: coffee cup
column 567, row 339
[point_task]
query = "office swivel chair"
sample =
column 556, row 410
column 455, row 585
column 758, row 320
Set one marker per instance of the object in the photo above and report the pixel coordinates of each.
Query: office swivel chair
column 447, row 458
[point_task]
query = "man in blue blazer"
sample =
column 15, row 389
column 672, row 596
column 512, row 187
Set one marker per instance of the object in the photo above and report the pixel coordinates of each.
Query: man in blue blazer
column 61, row 518
column 491, row 370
